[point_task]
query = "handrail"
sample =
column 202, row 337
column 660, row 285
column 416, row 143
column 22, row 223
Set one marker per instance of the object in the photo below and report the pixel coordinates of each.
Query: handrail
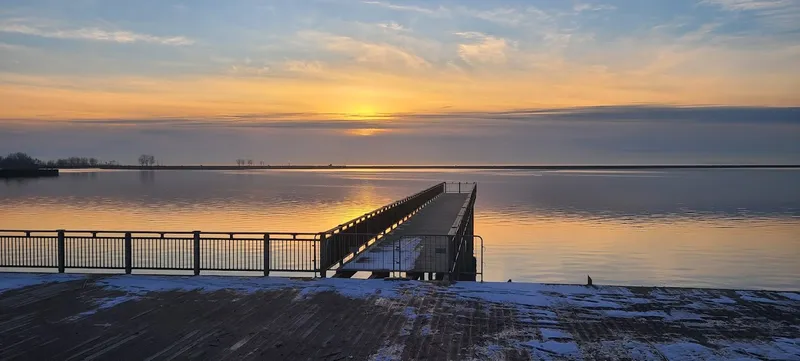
column 157, row 232
column 380, row 210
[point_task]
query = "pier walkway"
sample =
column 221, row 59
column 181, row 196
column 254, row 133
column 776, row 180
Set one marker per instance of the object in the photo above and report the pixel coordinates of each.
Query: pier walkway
column 414, row 245
column 141, row 317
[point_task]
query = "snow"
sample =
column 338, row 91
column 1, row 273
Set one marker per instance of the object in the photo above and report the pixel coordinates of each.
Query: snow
column 723, row 300
column 141, row 285
column 685, row 351
column 777, row 349
column 749, row 296
column 672, row 316
column 400, row 255
column 389, row 352
column 549, row 333
column 102, row 304
column 538, row 306
column 554, row 347
column 11, row 281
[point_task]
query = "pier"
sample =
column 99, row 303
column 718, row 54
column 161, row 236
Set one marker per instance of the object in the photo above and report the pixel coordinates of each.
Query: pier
column 425, row 235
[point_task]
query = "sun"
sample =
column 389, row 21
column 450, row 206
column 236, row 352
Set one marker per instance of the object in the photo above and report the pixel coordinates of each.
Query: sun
column 365, row 112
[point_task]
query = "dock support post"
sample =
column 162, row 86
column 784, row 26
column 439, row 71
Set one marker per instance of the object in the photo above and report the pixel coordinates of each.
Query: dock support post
column 128, row 253
column 266, row 255
column 323, row 255
column 61, row 252
column 196, row 253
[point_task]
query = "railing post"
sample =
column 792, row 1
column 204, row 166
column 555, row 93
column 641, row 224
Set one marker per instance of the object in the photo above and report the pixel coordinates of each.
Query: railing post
column 323, row 257
column 61, row 252
column 266, row 255
column 196, row 253
column 128, row 253
column 459, row 187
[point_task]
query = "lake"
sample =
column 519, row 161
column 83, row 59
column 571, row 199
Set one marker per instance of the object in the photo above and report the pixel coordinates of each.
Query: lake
column 692, row 228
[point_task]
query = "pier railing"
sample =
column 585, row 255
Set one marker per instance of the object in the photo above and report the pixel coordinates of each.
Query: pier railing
column 197, row 251
column 317, row 253
column 149, row 250
column 342, row 241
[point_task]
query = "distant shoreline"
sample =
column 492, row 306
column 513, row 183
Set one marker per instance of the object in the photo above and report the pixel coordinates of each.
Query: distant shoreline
column 450, row 167
column 28, row 173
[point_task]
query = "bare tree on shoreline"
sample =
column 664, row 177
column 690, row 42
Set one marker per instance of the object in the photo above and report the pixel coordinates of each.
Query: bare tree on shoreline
column 146, row 160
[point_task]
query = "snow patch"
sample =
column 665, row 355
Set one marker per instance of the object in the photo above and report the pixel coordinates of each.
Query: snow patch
column 749, row 296
column 359, row 289
column 791, row 295
column 554, row 347
column 549, row 333
column 102, row 304
column 672, row 316
column 11, row 281
column 389, row 352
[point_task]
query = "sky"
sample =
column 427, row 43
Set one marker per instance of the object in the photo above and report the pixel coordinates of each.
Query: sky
column 402, row 82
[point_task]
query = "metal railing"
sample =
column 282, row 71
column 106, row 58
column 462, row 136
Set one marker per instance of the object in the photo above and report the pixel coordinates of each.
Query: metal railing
column 344, row 240
column 214, row 251
column 420, row 254
column 147, row 250
column 347, row 244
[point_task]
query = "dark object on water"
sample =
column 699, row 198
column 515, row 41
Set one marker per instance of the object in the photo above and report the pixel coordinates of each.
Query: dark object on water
column 589, row 280
column 509, row 280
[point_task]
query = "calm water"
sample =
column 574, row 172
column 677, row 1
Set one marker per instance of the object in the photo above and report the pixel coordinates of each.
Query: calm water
column 709, row 228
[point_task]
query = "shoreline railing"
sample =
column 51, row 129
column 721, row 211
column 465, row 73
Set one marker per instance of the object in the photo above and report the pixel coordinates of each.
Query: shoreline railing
column 194, row 252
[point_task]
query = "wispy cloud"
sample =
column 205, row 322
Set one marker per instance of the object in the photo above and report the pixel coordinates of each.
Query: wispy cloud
column 46, row 30
column 393, row 26
column 784, row 14
column 504, row 16
column 366, row 52
column 580, row 7
column 411, row 8
column 303, row 66
column 750, row 4
column 484, row 49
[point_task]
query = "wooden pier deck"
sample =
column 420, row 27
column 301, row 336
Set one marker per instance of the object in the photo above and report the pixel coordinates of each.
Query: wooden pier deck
column 140, row 317
column 426, row 253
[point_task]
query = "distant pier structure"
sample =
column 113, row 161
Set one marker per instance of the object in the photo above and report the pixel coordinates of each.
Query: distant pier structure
column 428, row 235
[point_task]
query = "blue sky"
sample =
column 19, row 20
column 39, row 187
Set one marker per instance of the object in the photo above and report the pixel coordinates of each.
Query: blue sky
column 384, row 68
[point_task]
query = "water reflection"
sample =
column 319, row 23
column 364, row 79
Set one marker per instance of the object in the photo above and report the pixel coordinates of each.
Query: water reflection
column 719, row 228
column 147, row 177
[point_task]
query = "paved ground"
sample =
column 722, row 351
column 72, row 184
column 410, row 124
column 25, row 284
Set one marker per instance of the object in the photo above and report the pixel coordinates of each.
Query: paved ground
column 67, row 317
column 417, row 254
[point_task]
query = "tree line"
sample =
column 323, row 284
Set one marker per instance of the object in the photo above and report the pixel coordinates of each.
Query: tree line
column 23, row 160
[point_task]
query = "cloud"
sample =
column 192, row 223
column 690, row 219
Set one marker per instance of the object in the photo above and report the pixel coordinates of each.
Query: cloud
column 411, row 8
column 12, row 47
column 393, row 26
column 249, row 70
column 503, row 16
column 749, row 4
column 781, row 14
column 580, row 7
column 366, row 52
column 45, row 30
column 484, row 50
column 302, row 66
